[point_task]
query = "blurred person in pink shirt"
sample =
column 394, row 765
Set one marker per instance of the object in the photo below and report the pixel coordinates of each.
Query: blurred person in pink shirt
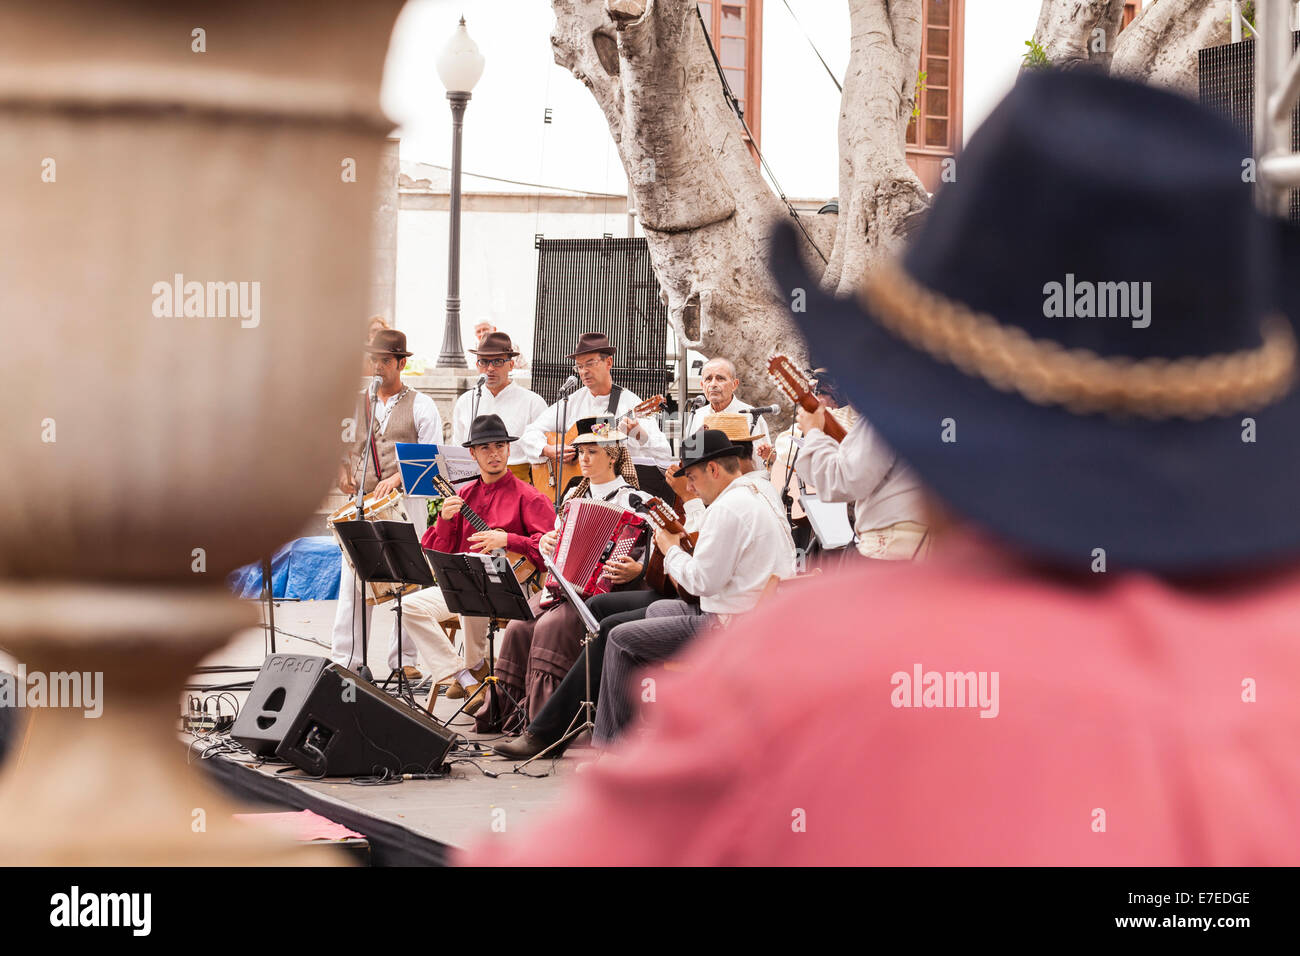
column 1100, row 665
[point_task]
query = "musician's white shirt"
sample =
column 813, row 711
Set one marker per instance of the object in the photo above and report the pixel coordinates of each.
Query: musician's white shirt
column 516, row 405
column 428, row 420
column 744, row 540
column 582, row 404
column 864, row 470
column 697, row 422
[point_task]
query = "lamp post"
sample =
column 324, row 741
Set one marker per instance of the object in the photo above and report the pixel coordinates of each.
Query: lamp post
column 459, row 67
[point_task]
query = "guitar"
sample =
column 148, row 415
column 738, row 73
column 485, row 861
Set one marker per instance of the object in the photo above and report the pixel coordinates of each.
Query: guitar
column 523, row 568
column 546, row 473
column 799, row 390
column 662, row 515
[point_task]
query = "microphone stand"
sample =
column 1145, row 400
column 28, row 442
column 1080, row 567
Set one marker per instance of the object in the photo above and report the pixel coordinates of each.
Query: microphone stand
column 478, row 397
column 364, row 670
column 561, row 424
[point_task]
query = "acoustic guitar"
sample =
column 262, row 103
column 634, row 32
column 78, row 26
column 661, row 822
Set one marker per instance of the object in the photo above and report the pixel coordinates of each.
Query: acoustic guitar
column 546, row 473
column 524, row 570
column 799, row 390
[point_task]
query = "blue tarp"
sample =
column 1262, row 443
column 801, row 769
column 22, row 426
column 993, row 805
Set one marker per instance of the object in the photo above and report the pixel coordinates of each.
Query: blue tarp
column 306, row 569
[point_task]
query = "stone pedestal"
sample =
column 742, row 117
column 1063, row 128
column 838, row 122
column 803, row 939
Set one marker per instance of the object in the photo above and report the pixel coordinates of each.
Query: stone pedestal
column 160, row 158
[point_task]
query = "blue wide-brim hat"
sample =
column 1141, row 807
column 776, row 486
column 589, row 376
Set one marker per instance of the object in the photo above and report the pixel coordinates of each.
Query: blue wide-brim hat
column 1063, row 433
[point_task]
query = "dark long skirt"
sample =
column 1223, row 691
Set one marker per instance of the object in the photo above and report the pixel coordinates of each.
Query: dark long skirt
column 535, row 655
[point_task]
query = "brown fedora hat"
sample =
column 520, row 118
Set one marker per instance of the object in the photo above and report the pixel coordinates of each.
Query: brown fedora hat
column 495, row 343
column 388, row 342
column 592, row 342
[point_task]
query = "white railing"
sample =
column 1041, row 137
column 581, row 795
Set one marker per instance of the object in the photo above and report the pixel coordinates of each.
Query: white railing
column 1277, row 87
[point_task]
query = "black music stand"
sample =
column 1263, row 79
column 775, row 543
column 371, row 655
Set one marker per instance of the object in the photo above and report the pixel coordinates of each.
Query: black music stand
column 482, row 585
column 587, row 709
column 387, row 552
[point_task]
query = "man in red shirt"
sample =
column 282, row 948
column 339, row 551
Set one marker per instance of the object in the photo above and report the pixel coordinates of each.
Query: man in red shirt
column 1099, row 666
column 517, row 515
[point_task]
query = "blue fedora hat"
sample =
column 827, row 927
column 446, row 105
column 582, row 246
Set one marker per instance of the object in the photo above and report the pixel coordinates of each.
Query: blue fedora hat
column 1089, row 342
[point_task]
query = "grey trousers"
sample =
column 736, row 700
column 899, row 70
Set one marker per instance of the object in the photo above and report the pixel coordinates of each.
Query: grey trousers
column 668, row 626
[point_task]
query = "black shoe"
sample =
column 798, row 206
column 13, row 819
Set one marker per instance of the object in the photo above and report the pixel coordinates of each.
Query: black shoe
column 522, row 747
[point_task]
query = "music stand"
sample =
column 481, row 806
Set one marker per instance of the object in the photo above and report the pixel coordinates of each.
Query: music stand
column 482, row 585
column 587, row 709
column 387, row 552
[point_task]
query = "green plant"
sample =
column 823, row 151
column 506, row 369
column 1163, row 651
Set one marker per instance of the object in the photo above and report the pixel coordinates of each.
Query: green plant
column 916, row 97
column 1036, row 58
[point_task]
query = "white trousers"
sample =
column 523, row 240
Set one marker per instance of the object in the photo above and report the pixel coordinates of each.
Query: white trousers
column 422, row 613
column 345, row 642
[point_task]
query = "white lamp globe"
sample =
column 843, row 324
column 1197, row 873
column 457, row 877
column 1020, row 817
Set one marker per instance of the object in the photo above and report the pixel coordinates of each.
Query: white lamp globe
column 460, row 64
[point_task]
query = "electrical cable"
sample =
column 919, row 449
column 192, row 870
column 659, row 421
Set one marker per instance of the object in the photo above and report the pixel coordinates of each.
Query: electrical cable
column 740, row 115
column 521, row 182
column 814, row 46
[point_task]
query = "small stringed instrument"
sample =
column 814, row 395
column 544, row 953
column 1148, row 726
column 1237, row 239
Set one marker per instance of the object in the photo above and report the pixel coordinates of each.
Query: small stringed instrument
column 799, row 390
column 523, row 568
column 546, row 473
column 662, row 515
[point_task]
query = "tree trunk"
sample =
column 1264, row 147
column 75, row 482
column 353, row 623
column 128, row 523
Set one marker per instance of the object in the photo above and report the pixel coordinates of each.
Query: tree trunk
column 705, row 209
column 1160, row 46
column 1077, row 33
column 880, row 195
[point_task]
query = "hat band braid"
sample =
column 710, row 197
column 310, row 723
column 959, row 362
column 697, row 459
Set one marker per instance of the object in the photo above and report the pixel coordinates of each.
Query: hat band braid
column 1047, row 373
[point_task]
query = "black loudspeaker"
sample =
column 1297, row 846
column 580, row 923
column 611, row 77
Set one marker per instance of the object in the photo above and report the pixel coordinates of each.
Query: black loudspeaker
column 326, row 720
column 281, row 688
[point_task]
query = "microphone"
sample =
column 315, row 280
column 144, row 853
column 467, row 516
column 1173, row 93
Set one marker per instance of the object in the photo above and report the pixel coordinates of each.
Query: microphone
column 699, row 401
column 375, row 382
column 482, row 379
column 569, row 385
column 765, row 410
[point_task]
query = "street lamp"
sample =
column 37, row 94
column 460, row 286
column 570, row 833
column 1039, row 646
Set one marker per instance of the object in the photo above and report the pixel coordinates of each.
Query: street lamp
column 460, row 65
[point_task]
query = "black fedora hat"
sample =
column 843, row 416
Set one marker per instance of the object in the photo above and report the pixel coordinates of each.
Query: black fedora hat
column 486, row 429
column 592, row 342
column 495, row 343
column 388, row 342
column 708, row 444
column 1164, row 434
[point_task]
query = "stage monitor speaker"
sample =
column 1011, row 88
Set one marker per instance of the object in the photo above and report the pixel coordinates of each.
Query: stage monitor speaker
column 281, row 688
column 326, row 720
column 349, row 728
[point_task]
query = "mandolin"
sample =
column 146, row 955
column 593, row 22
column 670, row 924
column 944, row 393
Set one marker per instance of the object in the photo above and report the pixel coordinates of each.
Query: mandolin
column 545, row 474
column 523, row 568
column 799, row 390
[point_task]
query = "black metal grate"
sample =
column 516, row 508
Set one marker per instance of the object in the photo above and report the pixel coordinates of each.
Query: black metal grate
column 599, row 285
column 1227, row 84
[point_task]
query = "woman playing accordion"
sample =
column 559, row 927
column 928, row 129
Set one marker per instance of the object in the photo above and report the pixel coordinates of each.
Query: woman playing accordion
column 535, row 655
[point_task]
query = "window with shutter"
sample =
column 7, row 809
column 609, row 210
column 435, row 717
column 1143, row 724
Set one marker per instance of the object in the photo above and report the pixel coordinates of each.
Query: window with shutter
column 736, row 29
column 934, row 134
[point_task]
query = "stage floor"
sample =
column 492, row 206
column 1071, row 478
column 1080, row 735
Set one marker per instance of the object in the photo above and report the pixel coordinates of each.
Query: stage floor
column 454, row 811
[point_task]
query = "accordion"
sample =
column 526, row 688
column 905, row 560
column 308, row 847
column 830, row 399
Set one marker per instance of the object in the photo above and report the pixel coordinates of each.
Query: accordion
column 591, row 533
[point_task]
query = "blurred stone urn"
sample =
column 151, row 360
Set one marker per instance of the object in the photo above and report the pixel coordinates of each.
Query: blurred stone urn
column 187, row 198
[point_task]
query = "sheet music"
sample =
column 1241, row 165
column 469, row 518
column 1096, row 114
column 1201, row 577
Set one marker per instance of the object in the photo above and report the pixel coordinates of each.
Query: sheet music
column 419, row 463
